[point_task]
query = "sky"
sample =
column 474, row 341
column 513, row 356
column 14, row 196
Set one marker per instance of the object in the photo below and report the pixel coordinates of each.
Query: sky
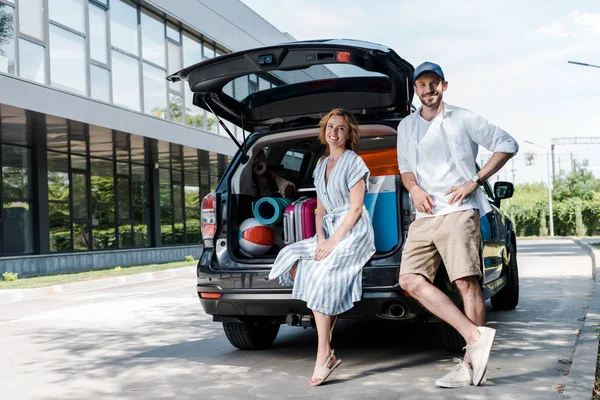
column 505, row 60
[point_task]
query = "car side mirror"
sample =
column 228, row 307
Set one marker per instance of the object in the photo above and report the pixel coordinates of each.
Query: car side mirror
column 503, row 190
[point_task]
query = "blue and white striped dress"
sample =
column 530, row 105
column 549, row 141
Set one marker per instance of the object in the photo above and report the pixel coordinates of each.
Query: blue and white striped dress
column 331, row 285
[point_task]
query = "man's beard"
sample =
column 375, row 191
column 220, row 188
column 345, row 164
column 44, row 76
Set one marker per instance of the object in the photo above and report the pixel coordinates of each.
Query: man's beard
column 433, row 101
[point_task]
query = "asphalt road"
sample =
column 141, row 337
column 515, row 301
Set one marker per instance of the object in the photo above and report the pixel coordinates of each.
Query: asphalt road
column 152, row 341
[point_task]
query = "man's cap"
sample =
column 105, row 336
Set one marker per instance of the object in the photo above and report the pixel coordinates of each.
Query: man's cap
column 428, row 67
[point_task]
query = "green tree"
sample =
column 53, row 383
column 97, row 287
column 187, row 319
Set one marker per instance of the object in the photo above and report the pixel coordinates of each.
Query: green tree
column 580, row 183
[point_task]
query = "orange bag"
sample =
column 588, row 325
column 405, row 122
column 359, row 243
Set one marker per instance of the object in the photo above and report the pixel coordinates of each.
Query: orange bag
column 381, row 162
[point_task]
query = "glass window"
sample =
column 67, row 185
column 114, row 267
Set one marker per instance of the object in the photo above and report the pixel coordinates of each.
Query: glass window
column 214, row 170
column 13, row 126
column 137, row 148
column 105, row 2
column 219, row 52
column 81, row 236
column 194, row 115
column 175, row 107
column 123, row 26
column 98, row 34
column 102, row 181
column 78, row 141
column 138, row 174
column 103, row 223
column 16, row 227
column 124, row 198
column 56, row 132
column 173, row 32
column 140, row 227
column 100, row 81
column 125, row 236
column 209, row 51
column 68, row 13
column 60, row 226
column 15, row 172
column 67, row 60
column 79, row 187
column 175, row 65
column 31, row 19
column 165, row 186
column 192, row 50
column 7, row 39
column 101, row 142
column 166, row 226
column 31, row 61
column 125, row 81
column 164, row 154
column 263, row 84
column 153, row 39
column 58, row 176
column 122, row 145
column 155, row 91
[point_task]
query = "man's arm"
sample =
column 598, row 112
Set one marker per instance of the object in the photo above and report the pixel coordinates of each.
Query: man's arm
column 493, row 165
column 421, row 199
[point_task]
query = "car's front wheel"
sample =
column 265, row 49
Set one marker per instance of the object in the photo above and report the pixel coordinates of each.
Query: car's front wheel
column 508, row 297
column 255, row 334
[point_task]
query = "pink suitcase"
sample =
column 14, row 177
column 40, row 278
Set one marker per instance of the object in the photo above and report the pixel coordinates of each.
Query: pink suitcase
column 299, row 220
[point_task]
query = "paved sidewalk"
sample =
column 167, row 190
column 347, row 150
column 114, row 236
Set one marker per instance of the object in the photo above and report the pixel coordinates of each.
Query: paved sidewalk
column 582, row 376
column 14, row 295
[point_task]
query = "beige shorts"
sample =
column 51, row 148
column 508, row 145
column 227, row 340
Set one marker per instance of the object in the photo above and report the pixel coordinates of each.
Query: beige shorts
column 452, row 238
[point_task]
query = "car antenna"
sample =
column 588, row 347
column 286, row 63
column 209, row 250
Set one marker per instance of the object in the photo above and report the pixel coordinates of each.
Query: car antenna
column 242, row 147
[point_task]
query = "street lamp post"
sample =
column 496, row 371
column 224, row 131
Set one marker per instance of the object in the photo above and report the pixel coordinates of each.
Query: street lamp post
column 550, row 186
column 584, row 64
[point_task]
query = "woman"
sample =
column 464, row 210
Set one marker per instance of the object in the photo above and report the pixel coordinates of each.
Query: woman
column 327, row 268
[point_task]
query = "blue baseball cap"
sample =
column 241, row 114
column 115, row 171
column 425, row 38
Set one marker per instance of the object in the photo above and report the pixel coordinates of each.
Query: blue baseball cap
column 428, row 67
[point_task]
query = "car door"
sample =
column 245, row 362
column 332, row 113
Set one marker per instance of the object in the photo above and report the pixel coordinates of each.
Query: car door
column 493, row 234
column 306, row 80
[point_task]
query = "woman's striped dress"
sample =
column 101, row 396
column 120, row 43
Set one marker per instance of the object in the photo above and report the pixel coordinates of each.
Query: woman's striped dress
column 332, row 285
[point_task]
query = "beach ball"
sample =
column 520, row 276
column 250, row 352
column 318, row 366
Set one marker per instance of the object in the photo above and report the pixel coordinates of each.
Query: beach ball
column 254, row 238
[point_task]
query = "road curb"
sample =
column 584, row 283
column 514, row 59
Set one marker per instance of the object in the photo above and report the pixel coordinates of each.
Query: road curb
column 14, row 295
column 582, row 375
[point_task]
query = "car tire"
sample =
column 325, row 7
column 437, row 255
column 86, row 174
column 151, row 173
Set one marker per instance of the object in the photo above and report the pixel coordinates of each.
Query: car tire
column 508, row 297
column 452, row 341
column 256, row 334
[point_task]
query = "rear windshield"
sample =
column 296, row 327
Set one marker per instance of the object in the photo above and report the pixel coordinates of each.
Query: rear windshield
column 242, row 87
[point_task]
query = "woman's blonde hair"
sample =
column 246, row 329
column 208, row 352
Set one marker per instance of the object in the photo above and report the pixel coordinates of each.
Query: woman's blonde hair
column 353, row 131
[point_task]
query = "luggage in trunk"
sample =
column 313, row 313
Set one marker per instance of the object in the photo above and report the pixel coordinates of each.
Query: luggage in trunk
column 381, row 204
column 299, row 220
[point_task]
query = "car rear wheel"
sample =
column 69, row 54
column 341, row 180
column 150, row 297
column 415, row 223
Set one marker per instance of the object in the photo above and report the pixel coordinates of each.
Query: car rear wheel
column 452, row 341
column 508, row 297
column 256, row 334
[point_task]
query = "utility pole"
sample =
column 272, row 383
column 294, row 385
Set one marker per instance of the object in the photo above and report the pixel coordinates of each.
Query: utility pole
column 553, row 171
column 513, row 168
column 572, row 163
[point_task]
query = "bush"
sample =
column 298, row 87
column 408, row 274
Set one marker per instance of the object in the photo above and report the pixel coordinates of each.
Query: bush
column 189, row 258
column 10, row 276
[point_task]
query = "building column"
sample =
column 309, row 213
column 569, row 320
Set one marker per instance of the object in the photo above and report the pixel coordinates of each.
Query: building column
column 153, row 192
column 41, row 220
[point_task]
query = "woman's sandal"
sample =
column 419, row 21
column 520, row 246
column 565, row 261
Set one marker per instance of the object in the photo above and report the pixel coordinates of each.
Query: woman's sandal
column 323, row 371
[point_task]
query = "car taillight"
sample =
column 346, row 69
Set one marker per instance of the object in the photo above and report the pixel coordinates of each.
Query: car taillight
column 209, row 216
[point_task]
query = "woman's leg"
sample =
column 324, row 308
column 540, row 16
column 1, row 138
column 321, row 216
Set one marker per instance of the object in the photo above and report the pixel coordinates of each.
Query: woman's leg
column 323, row 322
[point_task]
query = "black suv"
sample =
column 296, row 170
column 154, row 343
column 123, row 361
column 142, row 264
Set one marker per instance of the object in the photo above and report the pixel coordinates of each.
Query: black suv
column 278, row 94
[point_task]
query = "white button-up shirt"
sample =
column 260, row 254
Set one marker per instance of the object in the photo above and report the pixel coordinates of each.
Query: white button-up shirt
column 465, row 132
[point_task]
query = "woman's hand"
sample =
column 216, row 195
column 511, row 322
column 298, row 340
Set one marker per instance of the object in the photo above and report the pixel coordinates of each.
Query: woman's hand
column 324, row 248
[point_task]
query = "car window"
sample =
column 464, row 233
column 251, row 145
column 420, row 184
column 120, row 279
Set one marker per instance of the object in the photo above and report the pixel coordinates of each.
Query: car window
column 292, row 162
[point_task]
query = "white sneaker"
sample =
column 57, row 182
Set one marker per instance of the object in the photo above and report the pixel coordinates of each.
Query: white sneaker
column 459, row 376
column 479, row 352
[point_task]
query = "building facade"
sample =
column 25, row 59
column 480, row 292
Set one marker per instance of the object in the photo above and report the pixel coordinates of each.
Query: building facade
column 104, row 162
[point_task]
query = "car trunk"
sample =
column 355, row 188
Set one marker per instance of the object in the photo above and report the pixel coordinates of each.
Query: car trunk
column 294, row 156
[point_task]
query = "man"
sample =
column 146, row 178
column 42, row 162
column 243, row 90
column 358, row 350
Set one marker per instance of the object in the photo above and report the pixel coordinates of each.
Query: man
column 437, row 149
